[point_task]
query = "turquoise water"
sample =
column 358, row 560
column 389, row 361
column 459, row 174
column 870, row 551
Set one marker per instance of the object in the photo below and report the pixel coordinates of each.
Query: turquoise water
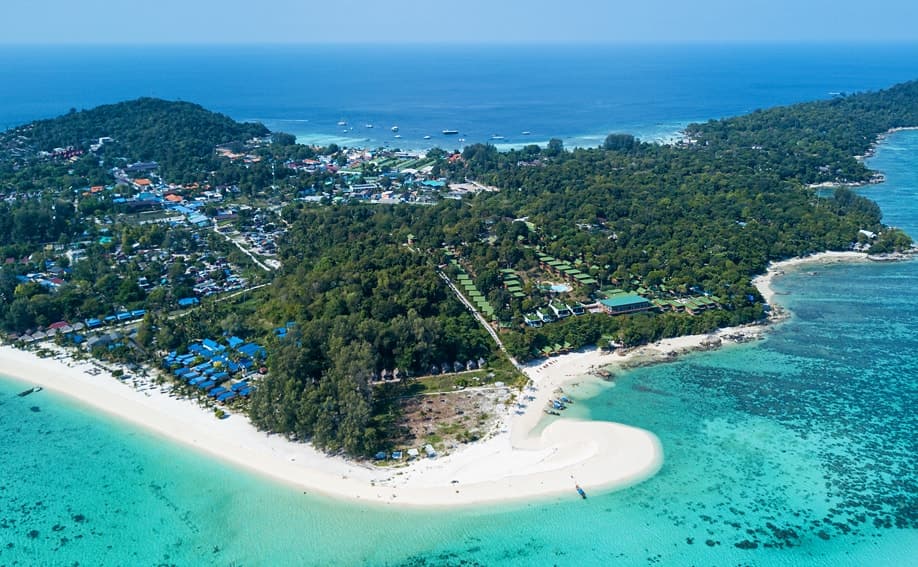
column 797, row 450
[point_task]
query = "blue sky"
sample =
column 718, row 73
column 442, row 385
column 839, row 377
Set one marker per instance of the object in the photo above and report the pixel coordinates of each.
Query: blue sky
column 471, row 21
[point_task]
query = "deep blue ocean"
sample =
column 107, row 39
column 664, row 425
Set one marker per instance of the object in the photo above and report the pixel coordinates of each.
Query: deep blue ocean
column 796, row 450
column 577, row 94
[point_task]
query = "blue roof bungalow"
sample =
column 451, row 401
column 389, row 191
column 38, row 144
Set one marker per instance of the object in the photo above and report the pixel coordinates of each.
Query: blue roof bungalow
column 93, row 323
column 239, row 386
column 110, row 319
column 188, row 301
column 124, row 316
column 235, row 342
column 217, row 391
column 198, row 219
column 207, row 384
column 253, row 350
column 226, row 396
column 137, row 313
column 213, row 346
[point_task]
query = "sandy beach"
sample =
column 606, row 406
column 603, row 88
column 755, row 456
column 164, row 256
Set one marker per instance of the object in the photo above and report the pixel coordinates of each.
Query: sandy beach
column 511, row 463
column 502, row 467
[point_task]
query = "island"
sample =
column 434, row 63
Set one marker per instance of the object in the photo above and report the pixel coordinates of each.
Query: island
column 395, row 326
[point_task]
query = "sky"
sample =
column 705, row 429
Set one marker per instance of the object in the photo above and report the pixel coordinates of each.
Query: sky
column 457, row 21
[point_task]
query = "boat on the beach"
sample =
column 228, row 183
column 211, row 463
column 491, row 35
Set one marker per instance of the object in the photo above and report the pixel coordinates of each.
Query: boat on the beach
column 450, row 132
column 31, row 390
column 580, row 491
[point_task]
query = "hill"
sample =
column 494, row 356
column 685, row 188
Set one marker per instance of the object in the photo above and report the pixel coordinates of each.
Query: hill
column 180, row 136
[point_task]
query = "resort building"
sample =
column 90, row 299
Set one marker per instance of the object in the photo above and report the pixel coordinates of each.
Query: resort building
column 625, row 303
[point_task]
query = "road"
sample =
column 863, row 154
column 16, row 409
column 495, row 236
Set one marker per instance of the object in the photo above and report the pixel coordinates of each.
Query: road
column 244, row 250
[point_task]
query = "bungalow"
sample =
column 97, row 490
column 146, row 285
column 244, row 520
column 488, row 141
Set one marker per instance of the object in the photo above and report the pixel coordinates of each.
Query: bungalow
column 212, row 345
column 188, row 302
column 546, row 317
column 561, row 310
column 252, row 350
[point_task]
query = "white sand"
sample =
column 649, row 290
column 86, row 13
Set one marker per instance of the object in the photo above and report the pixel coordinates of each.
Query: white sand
column 593, row 454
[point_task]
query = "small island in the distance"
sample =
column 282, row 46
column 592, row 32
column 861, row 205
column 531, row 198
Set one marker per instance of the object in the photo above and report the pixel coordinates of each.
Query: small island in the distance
column 397, row 306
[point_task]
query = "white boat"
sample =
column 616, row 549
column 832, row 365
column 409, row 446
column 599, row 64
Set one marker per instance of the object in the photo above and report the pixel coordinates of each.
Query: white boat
column 526, row 132
column 497, row 137
column 394, row 128
column 398, row 136
column 342, row 123
column 368, row 125
column 450, row 132
column 426, row 137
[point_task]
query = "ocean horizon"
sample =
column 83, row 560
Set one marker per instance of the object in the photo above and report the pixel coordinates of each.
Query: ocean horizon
column 493, row 94
column 795, row 450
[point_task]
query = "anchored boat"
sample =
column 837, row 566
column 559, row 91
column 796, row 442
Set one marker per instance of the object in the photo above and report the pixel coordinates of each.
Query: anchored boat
column 31, row 390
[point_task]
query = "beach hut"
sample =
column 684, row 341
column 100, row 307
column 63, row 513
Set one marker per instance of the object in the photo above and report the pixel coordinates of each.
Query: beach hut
column 219, row 390
column 430, row 451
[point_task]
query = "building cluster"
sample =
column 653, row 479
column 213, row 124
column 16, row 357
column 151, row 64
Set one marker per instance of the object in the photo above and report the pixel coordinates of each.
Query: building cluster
column 223, row 371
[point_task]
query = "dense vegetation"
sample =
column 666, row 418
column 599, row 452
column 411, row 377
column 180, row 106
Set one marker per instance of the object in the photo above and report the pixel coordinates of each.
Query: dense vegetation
column 812, row 142
column 704, row 216
column 180, row 136
column 363, row 302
